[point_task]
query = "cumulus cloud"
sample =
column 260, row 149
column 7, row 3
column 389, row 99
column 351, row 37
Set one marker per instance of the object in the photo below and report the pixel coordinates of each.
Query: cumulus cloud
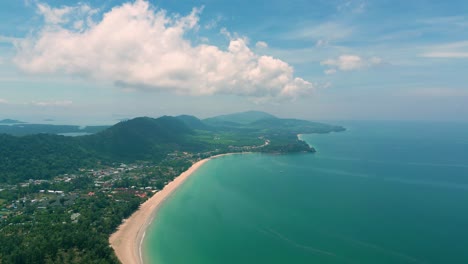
column 78, row 16
column 52, row 103
column 53, row 15
column 135, row 45
column 261, row 45
column 349, row 63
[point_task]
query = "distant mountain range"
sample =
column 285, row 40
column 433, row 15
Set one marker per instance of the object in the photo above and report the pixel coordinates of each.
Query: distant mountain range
column 22, row 129
column 44, row 155
column 240, row 118
column 11, row 121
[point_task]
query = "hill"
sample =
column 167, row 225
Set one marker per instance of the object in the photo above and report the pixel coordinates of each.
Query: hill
column 239, row 118
column 41, row 157
column 193, row 122
column 139, row 138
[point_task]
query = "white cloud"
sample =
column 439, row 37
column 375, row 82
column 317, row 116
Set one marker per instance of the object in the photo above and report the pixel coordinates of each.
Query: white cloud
column 446, row 55
column 3, row 101
column 454, row 50
column 53, row 15
column 350, row 63
column 213, row 23
column 136, row 46
column 447, row 21
column 345, row 62
column 261, row 45
column 52, row 103
column 330, row 71
column 353, row 6
column 321, row 33
column 321, row 43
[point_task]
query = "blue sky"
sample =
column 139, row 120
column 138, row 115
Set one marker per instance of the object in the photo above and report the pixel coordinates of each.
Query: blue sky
column 95, row 61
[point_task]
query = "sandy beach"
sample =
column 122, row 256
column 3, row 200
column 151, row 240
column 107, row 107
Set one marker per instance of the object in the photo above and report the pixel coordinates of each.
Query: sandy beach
column 128, row 238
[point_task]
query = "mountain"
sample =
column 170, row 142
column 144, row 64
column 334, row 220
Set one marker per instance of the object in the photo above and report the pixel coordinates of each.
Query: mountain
column 193, row 122
column 239, row 118
column 139, row 138
column 11, row 121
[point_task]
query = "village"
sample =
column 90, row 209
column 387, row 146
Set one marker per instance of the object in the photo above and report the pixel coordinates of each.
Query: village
column 139, row 179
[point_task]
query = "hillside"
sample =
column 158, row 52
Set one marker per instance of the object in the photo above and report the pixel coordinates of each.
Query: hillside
column 41, row 157
column 193, row 122
column 139, row 138
column 239, row 118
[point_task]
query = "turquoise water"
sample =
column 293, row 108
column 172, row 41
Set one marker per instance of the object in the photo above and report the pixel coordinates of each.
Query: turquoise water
column 381, row 192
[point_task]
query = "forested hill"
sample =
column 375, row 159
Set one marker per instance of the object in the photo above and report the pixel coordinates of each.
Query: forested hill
column 142, row 138
column 44, row 156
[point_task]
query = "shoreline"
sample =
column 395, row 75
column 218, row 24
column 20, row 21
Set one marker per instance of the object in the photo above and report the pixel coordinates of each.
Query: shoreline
column 127, row 240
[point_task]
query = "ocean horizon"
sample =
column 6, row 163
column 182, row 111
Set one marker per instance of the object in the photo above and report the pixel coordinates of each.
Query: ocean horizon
column 380, row 192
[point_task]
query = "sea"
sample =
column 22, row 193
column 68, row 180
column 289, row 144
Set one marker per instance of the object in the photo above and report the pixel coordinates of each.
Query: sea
column 380, row 192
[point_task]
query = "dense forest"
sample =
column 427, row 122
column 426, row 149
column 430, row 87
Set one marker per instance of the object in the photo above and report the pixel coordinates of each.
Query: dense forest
column 51, row 235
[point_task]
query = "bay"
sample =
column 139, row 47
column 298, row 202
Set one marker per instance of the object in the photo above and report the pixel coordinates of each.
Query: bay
column 381, row 192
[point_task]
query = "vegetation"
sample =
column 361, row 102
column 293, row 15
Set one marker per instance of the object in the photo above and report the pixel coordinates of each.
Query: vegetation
column 53, row 235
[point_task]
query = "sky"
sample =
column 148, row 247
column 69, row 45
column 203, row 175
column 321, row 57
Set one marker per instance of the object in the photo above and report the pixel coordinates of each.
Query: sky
column 99, row 61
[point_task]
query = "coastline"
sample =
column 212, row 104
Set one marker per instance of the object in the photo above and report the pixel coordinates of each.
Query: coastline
column 128, row 239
